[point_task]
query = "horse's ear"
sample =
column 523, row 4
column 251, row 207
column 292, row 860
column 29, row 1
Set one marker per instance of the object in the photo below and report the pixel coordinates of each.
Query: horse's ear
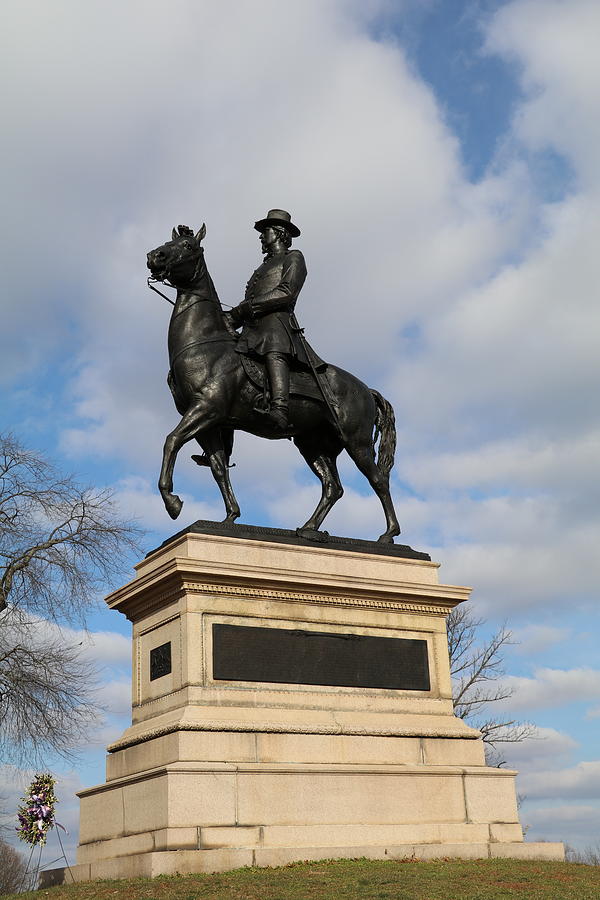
column 201, row 233
column 174, row 234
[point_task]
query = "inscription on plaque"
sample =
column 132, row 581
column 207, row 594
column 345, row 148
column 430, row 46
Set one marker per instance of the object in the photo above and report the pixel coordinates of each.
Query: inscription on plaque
column 160, row 661
column 242, row 653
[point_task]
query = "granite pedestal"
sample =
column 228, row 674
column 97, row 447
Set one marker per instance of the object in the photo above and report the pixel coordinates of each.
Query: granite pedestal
column 291, row 700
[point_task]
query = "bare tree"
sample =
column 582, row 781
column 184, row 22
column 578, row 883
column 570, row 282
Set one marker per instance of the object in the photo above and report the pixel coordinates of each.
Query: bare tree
column 589, row 857
column 61, row 543
column 13, row 870
column 477, row 669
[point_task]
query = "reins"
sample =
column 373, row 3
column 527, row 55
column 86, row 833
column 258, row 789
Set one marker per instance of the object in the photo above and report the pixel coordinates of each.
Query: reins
column 151, row 282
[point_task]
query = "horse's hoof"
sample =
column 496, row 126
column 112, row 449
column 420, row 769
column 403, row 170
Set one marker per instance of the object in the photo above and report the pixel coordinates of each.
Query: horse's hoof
column 173, row 505
column 230, row 519
column 312, row 534
column 388, row 538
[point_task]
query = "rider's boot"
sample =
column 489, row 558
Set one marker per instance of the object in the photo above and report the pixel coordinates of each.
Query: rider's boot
column 278, row 371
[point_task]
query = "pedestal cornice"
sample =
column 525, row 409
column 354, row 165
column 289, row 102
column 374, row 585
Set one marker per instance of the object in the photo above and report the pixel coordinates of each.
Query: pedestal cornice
column 253, row 569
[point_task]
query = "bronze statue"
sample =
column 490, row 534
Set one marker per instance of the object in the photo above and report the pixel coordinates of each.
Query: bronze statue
column 268, row 380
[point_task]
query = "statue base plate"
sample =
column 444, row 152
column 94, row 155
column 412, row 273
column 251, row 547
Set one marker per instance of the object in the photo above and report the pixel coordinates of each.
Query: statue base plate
column 302, row 537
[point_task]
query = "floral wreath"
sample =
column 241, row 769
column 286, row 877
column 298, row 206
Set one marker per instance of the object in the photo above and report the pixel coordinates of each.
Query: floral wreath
column 36, row 813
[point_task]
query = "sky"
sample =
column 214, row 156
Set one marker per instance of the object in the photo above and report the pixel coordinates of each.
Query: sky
column 441, row 160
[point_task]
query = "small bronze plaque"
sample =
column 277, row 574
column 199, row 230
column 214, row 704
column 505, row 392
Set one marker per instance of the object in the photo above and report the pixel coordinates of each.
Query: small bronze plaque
column 160, row 661
column 287, row 656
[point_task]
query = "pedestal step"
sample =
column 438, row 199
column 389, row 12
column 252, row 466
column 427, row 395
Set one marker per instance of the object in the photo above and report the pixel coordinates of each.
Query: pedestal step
column 184, row 862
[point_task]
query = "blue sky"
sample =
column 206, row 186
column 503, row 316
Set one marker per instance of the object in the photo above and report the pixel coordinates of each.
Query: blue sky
column 441, row 160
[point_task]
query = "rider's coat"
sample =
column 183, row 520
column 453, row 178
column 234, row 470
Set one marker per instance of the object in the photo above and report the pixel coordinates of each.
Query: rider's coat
column 270, row 298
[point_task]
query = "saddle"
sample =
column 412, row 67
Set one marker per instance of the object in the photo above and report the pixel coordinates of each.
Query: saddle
column 302, row 381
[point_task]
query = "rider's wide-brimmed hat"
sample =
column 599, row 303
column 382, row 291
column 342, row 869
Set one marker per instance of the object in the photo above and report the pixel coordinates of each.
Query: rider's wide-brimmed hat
column 278, row 217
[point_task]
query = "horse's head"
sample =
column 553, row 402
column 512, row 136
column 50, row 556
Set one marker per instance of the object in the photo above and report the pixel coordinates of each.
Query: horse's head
column 179, row 260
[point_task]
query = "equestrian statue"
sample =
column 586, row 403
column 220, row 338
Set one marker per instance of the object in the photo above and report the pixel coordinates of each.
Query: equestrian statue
column 266, row 380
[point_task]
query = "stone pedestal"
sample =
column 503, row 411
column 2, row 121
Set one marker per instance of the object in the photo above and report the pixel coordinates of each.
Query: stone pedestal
column 220, row 770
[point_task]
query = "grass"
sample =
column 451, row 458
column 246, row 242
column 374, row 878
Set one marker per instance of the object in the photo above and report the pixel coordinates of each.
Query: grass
column 357, row 879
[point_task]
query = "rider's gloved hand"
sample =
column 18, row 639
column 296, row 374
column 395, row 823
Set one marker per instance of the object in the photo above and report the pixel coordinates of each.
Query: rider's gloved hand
column 241, row 313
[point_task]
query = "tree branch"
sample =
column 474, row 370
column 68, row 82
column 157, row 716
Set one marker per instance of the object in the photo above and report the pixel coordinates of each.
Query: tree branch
column 476, row 670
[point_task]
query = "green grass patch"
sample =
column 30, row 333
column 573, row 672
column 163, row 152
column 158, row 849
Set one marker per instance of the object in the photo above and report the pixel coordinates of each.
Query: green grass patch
column 356, row 879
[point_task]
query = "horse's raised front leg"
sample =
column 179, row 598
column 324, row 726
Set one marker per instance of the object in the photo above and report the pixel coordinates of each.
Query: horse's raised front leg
column 197, row 418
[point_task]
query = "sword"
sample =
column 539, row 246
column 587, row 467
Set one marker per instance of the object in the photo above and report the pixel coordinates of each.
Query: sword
column 325, row 391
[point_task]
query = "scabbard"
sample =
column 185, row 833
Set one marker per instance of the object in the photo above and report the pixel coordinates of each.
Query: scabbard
column 321, row 382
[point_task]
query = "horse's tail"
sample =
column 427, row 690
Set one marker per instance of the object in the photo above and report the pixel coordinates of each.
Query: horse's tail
column 385, row 430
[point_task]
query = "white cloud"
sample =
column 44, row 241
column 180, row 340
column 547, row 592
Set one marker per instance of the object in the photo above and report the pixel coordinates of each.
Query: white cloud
column 505, row 453
column 554, row 42
column 580, row 781
column 553, row 688
column 546, row 748
column 511, row 354
column 515, row 579
column 115, row 697
column 575, row 824
column 534, row 639
column 528, row 462
column 103, row 648
column 107, row 648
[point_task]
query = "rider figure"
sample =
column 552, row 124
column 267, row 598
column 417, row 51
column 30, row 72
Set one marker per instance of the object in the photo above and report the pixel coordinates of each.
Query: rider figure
column 268, row 303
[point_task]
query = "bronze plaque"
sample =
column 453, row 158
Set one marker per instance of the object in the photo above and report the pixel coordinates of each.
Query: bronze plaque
column 242, row 653
column 160, row 661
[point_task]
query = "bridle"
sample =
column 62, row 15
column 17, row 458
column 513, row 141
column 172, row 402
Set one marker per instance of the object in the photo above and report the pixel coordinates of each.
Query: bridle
column 166, row 280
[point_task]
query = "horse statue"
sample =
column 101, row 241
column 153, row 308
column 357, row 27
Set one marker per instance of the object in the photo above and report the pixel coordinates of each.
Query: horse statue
column 217, row 390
